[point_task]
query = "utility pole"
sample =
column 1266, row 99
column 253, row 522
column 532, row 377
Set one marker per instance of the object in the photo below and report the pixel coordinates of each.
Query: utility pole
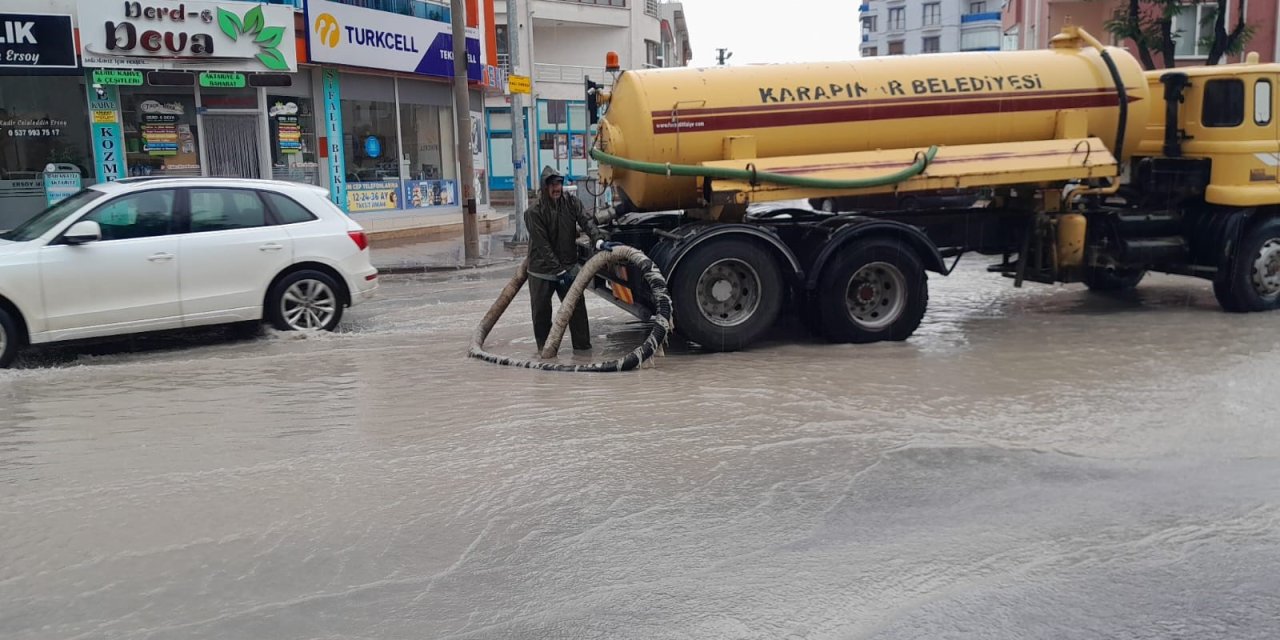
column 462, row 115
column 518, row 155
column 723, row 55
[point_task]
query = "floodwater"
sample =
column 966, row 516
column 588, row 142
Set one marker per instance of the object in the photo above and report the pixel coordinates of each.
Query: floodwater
column 1034, row 463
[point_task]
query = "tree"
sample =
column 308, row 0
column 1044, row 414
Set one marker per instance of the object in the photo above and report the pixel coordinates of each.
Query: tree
column 1148, row 24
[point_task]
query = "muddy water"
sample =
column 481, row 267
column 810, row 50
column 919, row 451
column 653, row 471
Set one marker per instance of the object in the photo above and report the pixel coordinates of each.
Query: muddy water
column 1035, row 463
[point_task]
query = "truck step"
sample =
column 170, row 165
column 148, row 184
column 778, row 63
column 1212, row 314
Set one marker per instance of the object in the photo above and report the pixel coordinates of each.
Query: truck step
column 1168, row 249
column 1149, row 225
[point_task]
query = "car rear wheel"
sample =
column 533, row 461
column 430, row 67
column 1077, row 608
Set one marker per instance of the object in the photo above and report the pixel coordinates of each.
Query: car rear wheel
column 305, row 301
column 8, row 339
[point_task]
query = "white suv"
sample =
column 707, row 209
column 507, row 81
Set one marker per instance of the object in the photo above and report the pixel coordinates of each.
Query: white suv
column 147, row 254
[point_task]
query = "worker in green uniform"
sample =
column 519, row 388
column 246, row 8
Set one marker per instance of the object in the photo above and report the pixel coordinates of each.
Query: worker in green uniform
column 553, row 224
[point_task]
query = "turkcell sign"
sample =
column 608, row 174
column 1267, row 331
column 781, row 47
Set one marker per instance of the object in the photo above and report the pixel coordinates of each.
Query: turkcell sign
column 343, row 34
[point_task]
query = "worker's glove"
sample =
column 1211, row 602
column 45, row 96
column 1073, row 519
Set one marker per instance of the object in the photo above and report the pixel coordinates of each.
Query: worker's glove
column 564, row 279
column 605, row 245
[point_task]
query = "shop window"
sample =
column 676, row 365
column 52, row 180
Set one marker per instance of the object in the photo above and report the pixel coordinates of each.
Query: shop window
column 226, row 209
column 371, row 145
column 42, row 121
column 160, row 132
column 1223, row 103
column 146, row 214
column 294, row 155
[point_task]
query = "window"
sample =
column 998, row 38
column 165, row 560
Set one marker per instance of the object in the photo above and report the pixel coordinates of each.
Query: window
column 42, row 120
column 294, row 148
column 1262, row 102
column 895, row 48
column 932, row 44
column 897, row 19
column 650, row 53
column 932, row 14
column 225, row 209
column 287, row 211
column 869, row 52
column 501, row 40
column 138, row 215
column 1223, row 103
column 977, row 7
column 161, row 136
column 869, row 24
column 1192, row 27
column 42, row 222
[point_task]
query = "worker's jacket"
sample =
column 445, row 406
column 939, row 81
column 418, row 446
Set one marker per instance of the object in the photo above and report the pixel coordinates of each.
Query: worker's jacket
column 553, row 233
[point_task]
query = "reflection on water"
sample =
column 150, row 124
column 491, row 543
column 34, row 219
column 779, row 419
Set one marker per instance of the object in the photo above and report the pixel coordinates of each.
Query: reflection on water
column 1034, row 462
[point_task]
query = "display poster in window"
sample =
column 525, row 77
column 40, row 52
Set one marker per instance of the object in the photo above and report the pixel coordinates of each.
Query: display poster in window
column 579, row 142
column 419, row 194
column 159, row 134
column 372, row 196
column 562, row 146
column 61, row 181
column 288, row 129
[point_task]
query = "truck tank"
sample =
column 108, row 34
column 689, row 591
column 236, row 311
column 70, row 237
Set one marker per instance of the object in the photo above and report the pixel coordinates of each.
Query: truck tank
column 684, row 115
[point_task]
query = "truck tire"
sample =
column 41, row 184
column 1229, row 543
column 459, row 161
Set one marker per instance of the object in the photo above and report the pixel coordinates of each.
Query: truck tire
column 1251, row 281
column 8, row 338
column 726, row 293
column 1102, row 280
column 875, row 290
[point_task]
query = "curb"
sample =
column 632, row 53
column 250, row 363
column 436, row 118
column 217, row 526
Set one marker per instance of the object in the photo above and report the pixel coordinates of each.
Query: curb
column 426, row 268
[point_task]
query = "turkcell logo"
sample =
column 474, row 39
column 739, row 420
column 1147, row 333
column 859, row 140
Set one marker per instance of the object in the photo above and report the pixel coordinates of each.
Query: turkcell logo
column 381, row 39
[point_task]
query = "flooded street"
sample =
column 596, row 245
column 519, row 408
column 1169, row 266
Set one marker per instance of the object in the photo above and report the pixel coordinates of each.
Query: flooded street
column 1035, row 463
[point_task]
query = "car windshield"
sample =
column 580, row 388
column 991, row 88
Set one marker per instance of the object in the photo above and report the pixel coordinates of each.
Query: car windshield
column 40, row 223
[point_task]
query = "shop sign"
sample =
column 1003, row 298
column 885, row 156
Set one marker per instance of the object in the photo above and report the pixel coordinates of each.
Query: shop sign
column 520, row 84
column 117, row 77
column 222, row 80
column 153, row 34
column 108, row 141
column 372, row 196
column 343, row 34
column 61, row 181
column 36, row 40
column 333, row 134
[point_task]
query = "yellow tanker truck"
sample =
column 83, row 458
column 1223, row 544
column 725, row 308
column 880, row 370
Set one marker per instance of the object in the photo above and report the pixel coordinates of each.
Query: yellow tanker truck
column 1093, row 171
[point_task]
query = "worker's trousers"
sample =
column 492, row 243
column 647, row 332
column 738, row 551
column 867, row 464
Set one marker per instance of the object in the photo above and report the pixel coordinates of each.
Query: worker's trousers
column 540, row 292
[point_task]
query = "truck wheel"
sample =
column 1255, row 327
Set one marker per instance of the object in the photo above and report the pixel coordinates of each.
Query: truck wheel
column 726, row 294
column 876, row 290
column 1098, row 279
column 8, row 339
column 1251, row 282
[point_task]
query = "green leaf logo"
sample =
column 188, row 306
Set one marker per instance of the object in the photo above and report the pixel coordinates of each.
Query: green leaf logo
column 229, row 24
column 272, row 59
column 270, row 37
column 253, row 21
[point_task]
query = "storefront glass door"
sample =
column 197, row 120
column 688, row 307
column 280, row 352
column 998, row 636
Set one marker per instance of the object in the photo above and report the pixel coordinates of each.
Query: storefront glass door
column 231, row 142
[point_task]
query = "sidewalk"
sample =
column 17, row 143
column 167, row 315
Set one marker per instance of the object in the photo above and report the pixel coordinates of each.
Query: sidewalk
column 438, row 253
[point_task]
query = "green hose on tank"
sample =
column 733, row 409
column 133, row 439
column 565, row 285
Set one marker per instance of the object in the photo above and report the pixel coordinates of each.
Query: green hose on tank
column 755, row 177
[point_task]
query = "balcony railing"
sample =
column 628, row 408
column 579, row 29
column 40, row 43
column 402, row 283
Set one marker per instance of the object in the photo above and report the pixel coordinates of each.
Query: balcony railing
column 990, row 16
column 504, row 62
column 566, row 73
column 438, row 11
column 602, row 3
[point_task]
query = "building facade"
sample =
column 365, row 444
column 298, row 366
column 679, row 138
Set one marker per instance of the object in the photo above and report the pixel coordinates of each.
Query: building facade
column 355, row 99
column 569, row 39
column 905, row 27
column 1028, row 24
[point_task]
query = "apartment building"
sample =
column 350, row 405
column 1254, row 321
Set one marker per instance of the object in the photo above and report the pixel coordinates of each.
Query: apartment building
column 898, row 27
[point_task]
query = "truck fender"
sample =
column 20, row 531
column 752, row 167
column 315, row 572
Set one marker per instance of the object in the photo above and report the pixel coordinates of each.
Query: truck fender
column 863, row 227
column 694, row 235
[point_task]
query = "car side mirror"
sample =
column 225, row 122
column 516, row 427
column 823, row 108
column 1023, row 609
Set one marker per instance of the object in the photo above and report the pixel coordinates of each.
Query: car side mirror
column 83, row 232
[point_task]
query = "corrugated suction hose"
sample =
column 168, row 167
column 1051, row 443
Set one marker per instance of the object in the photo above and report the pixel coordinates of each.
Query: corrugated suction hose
column 652, row 345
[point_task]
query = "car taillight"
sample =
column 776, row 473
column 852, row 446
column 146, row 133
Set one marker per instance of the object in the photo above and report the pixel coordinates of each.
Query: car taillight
column 359, row 238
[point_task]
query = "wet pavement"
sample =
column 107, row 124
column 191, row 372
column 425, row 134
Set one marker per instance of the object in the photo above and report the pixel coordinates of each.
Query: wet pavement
column 1034, row 463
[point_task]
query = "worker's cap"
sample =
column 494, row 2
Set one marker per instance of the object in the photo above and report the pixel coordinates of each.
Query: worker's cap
column 550, row 175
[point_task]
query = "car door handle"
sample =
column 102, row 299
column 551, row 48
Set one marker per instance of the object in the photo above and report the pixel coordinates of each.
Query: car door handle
column 161, row 257
column 271, row 246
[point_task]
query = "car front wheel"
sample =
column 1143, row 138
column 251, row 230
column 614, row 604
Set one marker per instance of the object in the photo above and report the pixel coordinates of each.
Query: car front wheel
column 304, row 301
